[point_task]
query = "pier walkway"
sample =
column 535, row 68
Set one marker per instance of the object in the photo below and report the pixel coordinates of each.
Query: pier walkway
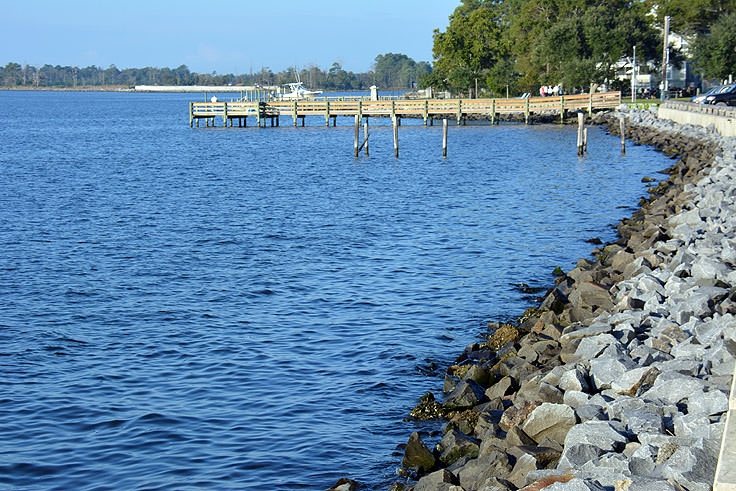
column 428, row 109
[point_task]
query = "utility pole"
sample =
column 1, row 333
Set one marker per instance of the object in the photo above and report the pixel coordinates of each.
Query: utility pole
column 633, row 77
column 665, row 57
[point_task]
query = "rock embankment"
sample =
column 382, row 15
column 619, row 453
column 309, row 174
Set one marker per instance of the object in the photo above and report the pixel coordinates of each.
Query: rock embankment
column 620, row 378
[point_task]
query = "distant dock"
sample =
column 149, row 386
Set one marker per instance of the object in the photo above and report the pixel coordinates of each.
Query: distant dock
column 428, row 109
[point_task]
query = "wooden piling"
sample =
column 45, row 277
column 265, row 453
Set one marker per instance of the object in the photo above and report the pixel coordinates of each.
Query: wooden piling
column 444, row 138
column 581, row 117
column 396, row 137
column 585, row 140
column 365, row 137
column 622, row 130
column 357, row 134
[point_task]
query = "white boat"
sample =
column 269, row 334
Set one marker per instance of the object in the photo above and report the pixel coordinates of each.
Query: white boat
column 296, row 91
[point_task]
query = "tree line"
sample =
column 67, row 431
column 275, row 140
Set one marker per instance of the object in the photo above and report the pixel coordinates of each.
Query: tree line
column 522, row 44
column 390, row 71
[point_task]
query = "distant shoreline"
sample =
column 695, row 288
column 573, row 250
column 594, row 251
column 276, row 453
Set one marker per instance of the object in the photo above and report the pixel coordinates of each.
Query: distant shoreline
column 105, row 88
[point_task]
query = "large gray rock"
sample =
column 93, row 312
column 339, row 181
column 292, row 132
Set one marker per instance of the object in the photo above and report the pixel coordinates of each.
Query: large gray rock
column 605, row 435
column 692, row 425
column 673, row 387
column 501, row 388
column 630, row 381
column 520, row 474
column 707, row 403
column 620, row 260
column 574, row 456
column 592, row 346
column 604, row 371
column 591, row 295
column 708, row 268
column 456, row 445
column 516, row 436
column 442, row 480
column 643, row 459
column 588, row 412
column 692, row 466
column 578, row 331
column 575, row 379
column 477, row 471
column 575, row 398
column 417, row 457
column 467, row 394
column 638, row 421
column 549, row 421
column 609, row 463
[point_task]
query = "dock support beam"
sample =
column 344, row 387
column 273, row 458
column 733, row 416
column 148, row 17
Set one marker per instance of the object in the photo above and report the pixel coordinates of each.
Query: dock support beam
column 444, row 138
column 357, row 134
column 396, row 137
column 581, row 145
column 562, row 109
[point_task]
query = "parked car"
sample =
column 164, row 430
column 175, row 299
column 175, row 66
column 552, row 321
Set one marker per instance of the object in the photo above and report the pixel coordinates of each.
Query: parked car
column 723, row 95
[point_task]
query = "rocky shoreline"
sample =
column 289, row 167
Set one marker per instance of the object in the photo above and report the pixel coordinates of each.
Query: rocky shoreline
column 620, row 378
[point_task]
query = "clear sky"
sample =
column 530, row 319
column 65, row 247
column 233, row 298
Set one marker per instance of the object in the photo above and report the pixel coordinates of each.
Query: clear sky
column 227, row 36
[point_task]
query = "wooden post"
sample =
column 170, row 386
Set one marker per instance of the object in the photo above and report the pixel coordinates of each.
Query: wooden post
column 580, row 133
column 622, row 130
column 426, row 111
column 585, row 139
column 562, row 109
column 526, row 112
column 459, row 111
column 191, row 114
column 365, row 137
column 357, row 134
column 590, row 103
column 327, row 113
column 224, row 114
column 493, row 111
column 396, row 137
column 444, row 138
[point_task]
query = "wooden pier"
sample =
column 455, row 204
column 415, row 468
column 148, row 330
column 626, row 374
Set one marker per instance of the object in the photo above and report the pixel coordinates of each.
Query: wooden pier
column 428, row 110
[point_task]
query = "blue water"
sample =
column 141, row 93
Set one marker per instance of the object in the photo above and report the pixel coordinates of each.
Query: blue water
column 255, row 308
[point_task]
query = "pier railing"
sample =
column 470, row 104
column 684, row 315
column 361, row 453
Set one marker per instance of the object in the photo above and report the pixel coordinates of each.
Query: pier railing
column 426, row 109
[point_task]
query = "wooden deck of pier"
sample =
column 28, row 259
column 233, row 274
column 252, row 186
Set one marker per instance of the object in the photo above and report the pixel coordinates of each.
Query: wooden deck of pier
column 428, row 110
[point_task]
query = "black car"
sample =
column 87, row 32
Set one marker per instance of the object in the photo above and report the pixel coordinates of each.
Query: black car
column 725, row 95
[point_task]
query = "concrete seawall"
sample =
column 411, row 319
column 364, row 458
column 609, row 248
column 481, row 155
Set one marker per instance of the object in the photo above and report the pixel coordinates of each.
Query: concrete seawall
column 722, row 119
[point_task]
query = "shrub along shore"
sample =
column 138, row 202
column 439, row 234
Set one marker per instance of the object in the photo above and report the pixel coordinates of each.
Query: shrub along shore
column 620, row 378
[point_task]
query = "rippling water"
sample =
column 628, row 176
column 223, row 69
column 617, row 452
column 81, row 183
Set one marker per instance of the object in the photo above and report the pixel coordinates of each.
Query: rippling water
column 254, row 308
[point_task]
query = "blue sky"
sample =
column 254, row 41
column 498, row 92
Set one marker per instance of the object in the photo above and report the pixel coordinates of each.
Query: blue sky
column 226, row 36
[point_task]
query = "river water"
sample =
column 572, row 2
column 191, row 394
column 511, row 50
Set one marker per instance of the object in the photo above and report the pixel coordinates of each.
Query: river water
column 255, row 308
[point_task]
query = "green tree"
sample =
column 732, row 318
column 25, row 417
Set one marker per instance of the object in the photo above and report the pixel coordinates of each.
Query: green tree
column 576, row 42
column 396, row 70
column 473, row 43
column 715, row 51
column 692, row 17
column 12, row 74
